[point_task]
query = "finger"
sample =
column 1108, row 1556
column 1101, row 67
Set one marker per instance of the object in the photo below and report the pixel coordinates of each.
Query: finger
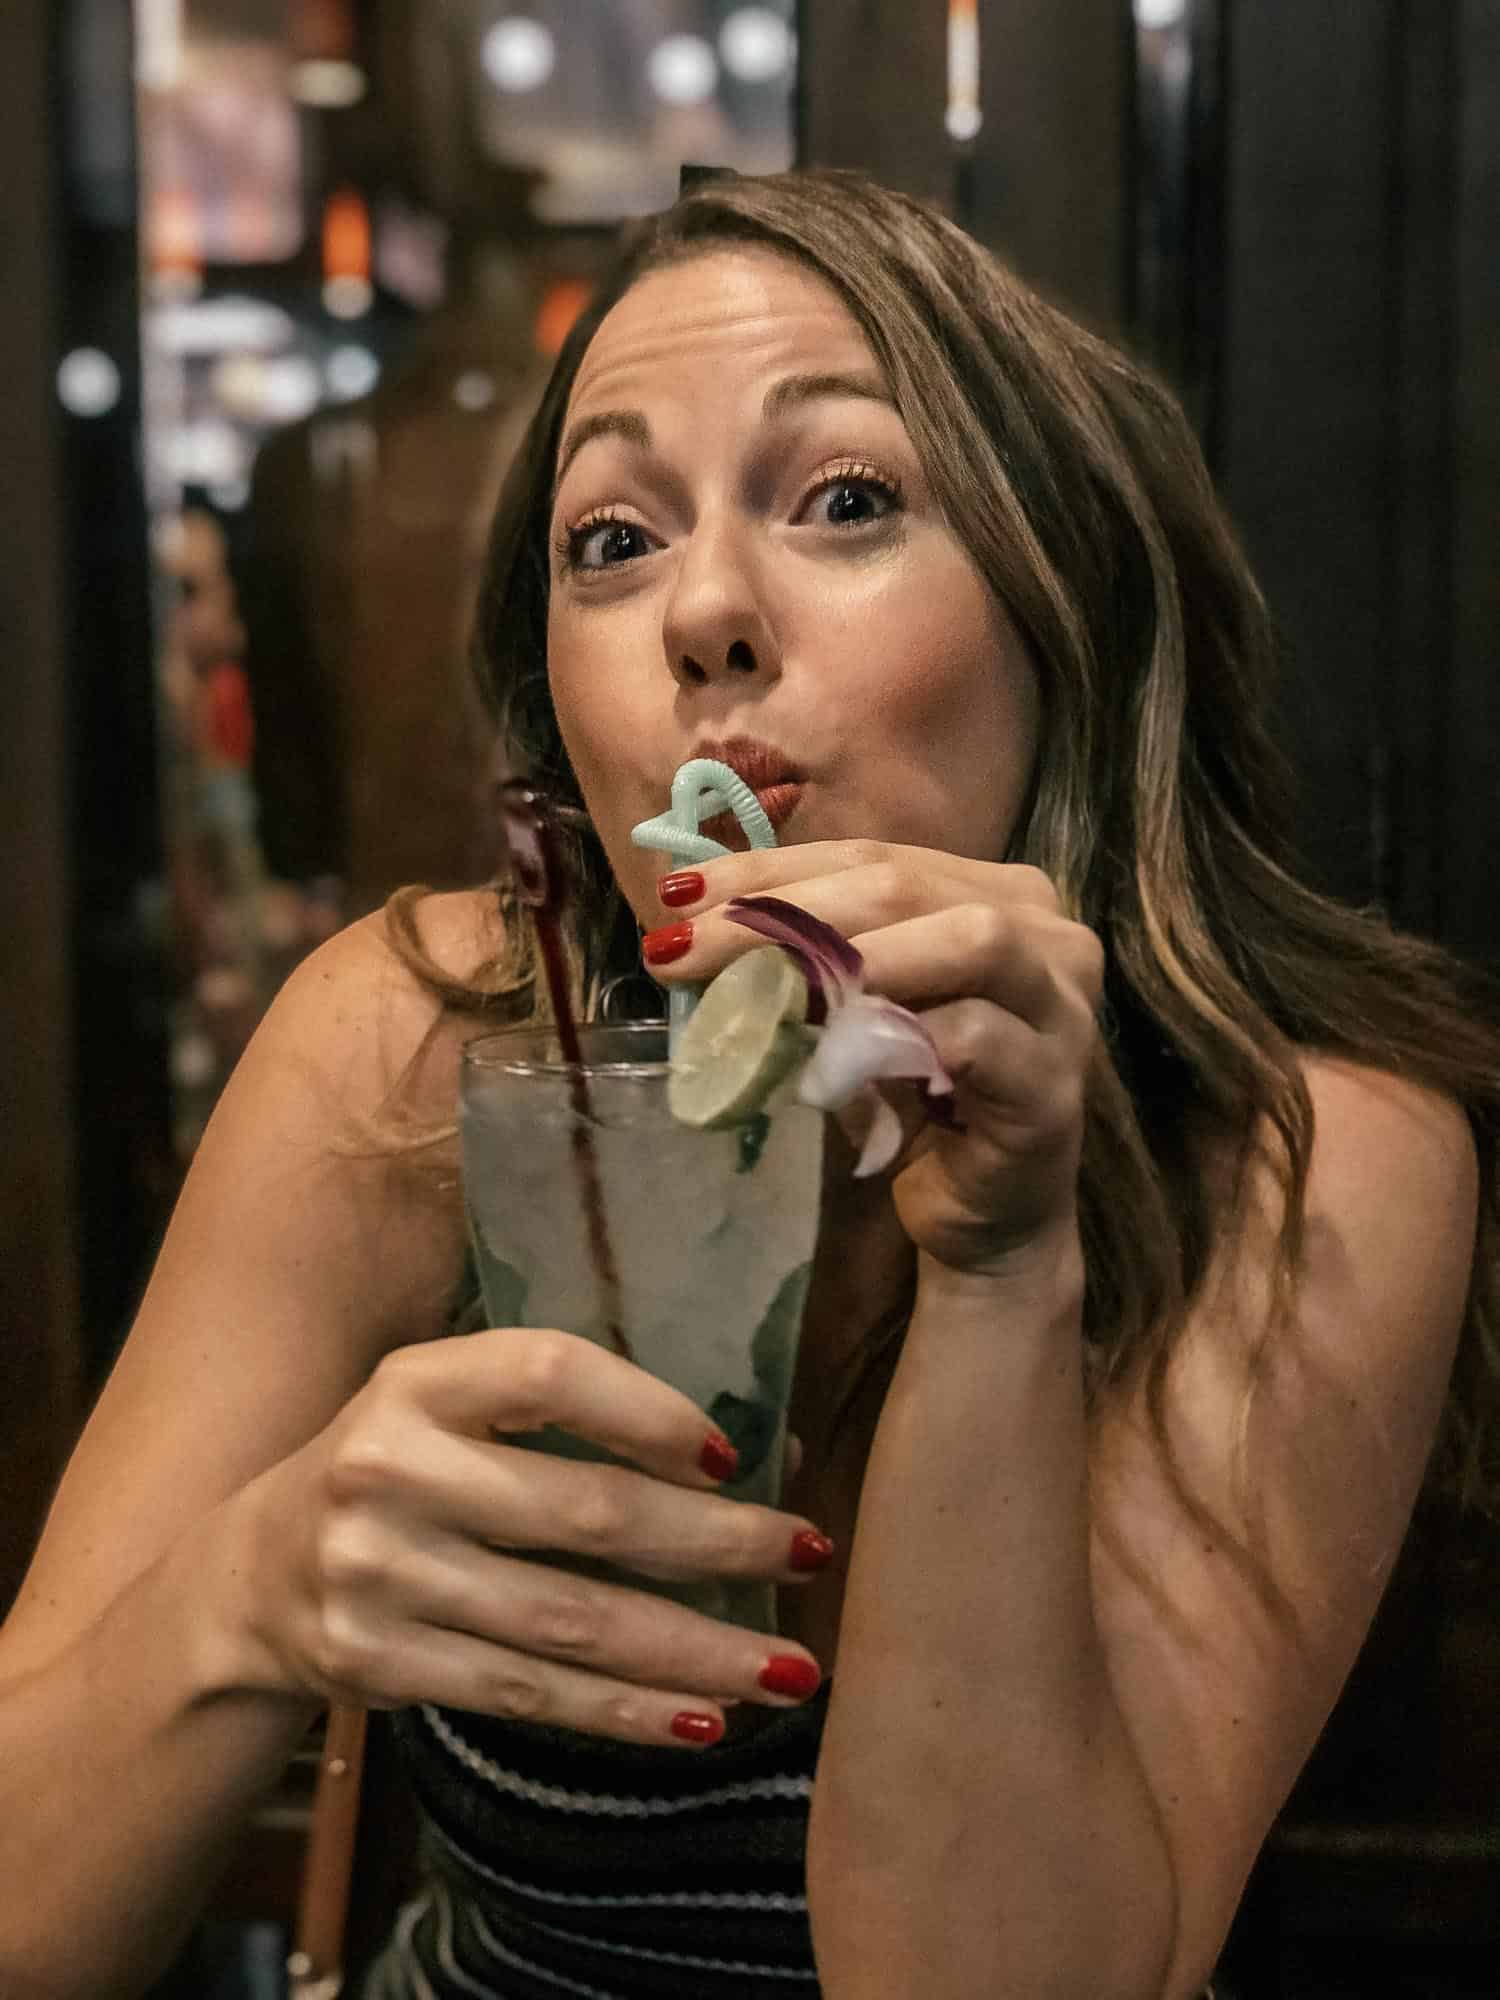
column 853, row 901
column 776, row 870
column 924, row 939
column 921, row 947
column 540, row 1609
column 1016, row 1087
column 457, row 1671
column 520, row 1379
column 1042, row 968
column 511, row 1497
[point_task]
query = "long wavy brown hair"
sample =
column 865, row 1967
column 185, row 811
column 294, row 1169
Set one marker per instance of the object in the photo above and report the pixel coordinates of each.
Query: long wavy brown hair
column 1159, row 806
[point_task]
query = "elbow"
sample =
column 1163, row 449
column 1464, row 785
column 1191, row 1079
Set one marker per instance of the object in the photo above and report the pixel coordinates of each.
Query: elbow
column 1084, row 1918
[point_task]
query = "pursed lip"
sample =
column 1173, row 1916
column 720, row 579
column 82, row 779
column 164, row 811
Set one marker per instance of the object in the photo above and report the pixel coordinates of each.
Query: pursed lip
column 771, row 774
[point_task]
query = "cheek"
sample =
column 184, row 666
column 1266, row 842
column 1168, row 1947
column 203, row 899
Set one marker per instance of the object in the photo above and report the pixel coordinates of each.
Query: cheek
column 588, row 713
column 595, row 718
column 963, row 708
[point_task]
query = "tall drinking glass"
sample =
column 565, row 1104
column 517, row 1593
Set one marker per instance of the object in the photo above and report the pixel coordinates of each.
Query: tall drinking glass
column 593, row 1210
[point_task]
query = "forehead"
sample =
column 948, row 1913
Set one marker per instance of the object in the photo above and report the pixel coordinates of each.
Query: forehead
column 725, row 314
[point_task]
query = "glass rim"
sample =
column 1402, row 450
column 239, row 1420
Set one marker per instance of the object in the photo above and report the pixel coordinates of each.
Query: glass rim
column 497, row 1053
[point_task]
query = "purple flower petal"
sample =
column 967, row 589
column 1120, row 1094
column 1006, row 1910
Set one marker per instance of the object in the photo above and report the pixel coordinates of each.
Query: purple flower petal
column 882, row 1141
column 869, row 1037
column 834, row 969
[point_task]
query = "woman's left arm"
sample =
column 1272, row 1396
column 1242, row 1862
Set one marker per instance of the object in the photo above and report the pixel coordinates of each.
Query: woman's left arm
column 1065, row 1711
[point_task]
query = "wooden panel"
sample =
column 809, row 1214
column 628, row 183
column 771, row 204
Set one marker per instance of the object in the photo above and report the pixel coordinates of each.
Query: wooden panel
column 1306, row 417
column 1050, row 158
column 1471, row 829
column 1418, row 655
column 1045, row 181
column 873, row 91
column 38, row 1275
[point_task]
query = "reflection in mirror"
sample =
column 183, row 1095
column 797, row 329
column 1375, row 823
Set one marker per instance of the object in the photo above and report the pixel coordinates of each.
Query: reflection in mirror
column 366, row 230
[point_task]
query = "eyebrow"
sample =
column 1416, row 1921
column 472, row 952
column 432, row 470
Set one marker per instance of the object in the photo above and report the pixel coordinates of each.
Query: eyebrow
column 793, row 390
column 787, row 394
column 628, row 424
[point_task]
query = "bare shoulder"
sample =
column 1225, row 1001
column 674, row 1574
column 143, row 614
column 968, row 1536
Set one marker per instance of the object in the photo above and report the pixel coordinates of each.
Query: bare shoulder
column 1387, row 1251
column 1388, row 1232
column 1246, row 1528
column 1382, row 1142
column 367, row 1006
column 320, row 1226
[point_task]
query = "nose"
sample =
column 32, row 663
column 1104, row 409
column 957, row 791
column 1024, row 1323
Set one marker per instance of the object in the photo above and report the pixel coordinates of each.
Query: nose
column 715, row 625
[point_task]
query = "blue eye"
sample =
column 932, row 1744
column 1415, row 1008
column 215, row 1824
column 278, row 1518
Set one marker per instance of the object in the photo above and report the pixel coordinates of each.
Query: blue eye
column 851, row 499
column 603, row 544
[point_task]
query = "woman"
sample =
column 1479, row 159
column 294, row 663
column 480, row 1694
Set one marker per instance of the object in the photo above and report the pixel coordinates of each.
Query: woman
column 1114, row 1400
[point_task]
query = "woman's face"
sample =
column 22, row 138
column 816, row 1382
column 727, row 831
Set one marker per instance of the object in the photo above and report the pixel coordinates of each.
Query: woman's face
column 748, row 564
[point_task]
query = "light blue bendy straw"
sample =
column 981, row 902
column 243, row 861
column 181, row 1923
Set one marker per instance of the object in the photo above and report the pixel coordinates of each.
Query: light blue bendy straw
column 702, row 788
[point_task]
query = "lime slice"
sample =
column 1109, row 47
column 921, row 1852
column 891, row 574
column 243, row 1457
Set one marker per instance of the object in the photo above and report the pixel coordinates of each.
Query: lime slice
column 741, row 1040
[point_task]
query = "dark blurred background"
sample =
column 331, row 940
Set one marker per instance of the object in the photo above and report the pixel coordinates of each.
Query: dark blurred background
column 279, row 280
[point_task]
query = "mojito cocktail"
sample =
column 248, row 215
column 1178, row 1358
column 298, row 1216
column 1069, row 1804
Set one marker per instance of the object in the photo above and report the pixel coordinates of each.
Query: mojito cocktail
column 710, row 1238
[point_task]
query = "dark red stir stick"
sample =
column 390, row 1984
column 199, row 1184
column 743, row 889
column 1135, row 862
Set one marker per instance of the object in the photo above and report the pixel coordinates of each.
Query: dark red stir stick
column 539, row 875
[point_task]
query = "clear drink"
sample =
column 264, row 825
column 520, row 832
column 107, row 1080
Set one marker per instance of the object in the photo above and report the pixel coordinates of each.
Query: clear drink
column 709, row 1239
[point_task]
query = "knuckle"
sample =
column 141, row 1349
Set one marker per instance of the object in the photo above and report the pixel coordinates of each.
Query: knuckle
column 347, row 1554
column 970, row 1027
column 1088, row 950
column 536, row 1377
column 342, row 1655
column 986, row 930
column 890, row 889
column 1033, row 885
column 1065, row 1101
column 1083, row 1026
column 624, row 1715
column 753, row 1540
column 860, row 853
column 509, row 1690
column 598, row 1519
column 363, row 1465
column 568, row 1623
column 395, row 1375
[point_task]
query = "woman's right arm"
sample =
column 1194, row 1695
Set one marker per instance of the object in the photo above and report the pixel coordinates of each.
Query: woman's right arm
column 291, row 1492
column 131, row 1746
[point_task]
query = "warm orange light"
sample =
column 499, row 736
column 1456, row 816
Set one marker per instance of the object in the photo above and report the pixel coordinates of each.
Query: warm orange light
column 174, row 235
column 964, row 117
column 346, row 236
column 562, row 302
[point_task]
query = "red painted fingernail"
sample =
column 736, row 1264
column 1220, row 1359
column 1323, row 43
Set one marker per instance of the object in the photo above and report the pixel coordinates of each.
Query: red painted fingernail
column 718, row 1458
column 678, row 890
column 697, row 1728
column 787, row 1674
column 671, row 941
column 810, row 1550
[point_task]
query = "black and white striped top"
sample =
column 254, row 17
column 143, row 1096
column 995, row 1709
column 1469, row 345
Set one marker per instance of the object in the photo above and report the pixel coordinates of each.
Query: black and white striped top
column 568, row 1867
column 565, row 1865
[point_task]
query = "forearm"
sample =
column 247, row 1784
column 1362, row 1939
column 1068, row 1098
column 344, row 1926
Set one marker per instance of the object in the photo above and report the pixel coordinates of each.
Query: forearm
column 980, row 1815
column 127, row 1767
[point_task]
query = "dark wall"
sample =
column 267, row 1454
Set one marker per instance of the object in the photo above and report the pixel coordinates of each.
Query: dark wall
column 1359, row 402
column 1334, row 337
column 1471, row 763
column 874, row 93
column 38, row 1265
